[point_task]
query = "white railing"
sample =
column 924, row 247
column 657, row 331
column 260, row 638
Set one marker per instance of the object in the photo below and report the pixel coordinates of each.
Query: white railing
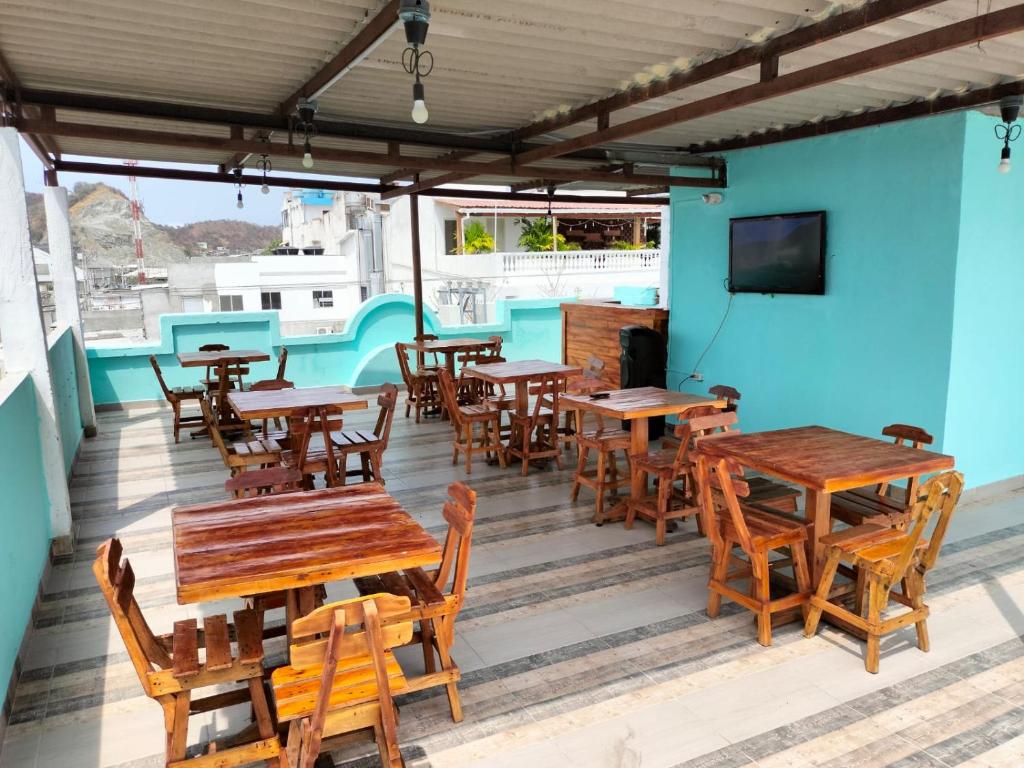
column 575, row 262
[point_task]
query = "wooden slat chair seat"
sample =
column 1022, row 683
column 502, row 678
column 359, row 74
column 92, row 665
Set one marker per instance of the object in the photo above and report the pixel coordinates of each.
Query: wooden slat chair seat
column 172, row 667
column 756, row 531
column 874, row 504
column 175, row 396
column 885, row 558
column 260, row 482
column 420, row 385
column 342, row 676
column 433, row 603
column 242, row 455
column 464, row 419
column 368, row 445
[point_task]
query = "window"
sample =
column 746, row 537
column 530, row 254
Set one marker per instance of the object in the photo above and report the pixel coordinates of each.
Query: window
column 451, row 236
column 364, row 293
column 271, row 299
column 231, row 303
column 323, row 299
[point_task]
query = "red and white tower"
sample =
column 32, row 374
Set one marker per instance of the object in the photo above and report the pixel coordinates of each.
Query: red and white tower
column 133, row 184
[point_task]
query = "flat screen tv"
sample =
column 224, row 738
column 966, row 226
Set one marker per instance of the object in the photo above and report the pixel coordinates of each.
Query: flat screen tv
column 778, row 254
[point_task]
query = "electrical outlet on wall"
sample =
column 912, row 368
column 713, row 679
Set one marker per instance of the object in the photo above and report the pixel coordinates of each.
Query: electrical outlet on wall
column 698, row 377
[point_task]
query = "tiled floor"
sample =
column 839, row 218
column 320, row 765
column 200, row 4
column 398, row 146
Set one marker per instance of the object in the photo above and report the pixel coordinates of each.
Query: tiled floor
column 580, row 646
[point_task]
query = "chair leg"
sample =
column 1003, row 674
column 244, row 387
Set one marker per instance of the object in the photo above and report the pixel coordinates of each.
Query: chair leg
column 664, row 502
column 802, row 575
column 764, row 597
column 176, row 724
column 581, row 466
column 427, row 641
column 468, row 433
column 527, row 434
column 443, row 637
column 913, row 588
column 876, row 594
column 719, row 570
column 828, row 575
column 177, row 422
column 375, row 465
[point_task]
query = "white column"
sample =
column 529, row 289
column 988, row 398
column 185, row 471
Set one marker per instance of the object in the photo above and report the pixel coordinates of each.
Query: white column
column 65, row 289
column 21, row 327
column 665, row 278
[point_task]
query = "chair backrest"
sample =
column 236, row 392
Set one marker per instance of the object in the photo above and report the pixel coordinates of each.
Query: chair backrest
column 117, row 583
column 387, row 400
column 282, row 362
column 213, row 427
column 496, row 344
column 427, row 337
column 171, row 397
column 345, row 630
column 268, row 385
column 303, row 425
column 551, row 387
column 401, row 350
column 938, row 494
column 449, row 398
column 214, row 348
column 727, row 393
column 460, row 512
column 703, row 426
column 721, row 490
column 904, row 434
column 683, row 433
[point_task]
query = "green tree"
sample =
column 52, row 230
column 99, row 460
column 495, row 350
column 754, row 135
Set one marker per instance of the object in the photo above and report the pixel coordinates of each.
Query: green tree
column 270, row 248
column 536, row 236
column 476, row 239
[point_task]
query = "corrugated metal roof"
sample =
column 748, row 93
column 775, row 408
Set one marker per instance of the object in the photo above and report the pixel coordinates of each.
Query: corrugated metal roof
column 499, row 65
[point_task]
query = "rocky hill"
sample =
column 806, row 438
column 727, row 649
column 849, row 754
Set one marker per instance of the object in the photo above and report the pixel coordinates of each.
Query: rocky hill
column 101, row 227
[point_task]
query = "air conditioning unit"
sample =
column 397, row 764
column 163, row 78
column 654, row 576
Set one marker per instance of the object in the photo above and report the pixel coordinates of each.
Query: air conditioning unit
column 323, row 330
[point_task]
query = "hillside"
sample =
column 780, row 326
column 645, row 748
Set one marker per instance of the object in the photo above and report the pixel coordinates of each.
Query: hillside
column 101, row 227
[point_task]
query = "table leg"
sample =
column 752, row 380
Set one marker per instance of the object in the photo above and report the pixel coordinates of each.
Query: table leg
column 817, row 510
column 449, row 362
column 638, row 445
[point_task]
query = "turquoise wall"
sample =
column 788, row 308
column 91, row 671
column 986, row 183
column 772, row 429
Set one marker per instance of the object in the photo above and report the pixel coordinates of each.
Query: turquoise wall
column 361, row 356
column 24, row 516
column 985, row 418
column 65, row 393
column 876, row 348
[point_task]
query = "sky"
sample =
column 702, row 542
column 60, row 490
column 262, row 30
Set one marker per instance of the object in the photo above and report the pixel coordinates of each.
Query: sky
column 172, row 202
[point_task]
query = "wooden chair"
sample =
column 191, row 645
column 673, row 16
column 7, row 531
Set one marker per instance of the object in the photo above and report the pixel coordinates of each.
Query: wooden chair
column 604, row 441
column 178, row 395
column 464, row 419
column 586, row 384
column 241, row 455
column 885, row 557
column 264, row 482
column 757, row 531
column 271, row 385
column 421, row 357
column 666, row 467
column 234, row 372
column 343, row 676
column 535, row 434
column 369, row 446
column 421, row 386
column 312, row 450
column 436, row 598
column 874, row 504
column 171, row 670
column 474, row 390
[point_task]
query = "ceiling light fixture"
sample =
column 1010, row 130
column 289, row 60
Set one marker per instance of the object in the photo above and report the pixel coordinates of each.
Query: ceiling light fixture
column 265, row 166
column 306, row 111
column 238, row 180
column 415, row 16
column 1007, row 131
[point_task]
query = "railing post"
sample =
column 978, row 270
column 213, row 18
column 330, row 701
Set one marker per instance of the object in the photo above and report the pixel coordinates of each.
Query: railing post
column 65, row 289
column 24, row 338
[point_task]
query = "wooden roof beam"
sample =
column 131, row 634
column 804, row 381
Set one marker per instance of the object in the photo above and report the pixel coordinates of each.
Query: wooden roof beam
column 867, row 15
column 12, row 109
column 406, row 173
column 645, row 191
column 917, row 46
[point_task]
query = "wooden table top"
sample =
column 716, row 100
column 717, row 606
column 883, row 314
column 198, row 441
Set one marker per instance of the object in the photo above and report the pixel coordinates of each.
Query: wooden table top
column 825, row 459
column 639, row 402
column 520, row 371
column 227, row 356
column 241, row 547
column 451, row 345
column 279, row 403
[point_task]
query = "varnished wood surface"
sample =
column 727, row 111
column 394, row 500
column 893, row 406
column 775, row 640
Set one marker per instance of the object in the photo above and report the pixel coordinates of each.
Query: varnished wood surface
column 825, row 459
column 268, row 404
column 451, row 345
column 203, row 359
column 520, row 371
column 268, row 543
column 640, row 402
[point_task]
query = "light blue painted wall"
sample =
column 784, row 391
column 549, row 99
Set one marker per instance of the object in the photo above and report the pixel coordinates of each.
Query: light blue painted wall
column 985, row 416
column 876, row 348
column 24, row 516
column 361, row 356
column 65, row 393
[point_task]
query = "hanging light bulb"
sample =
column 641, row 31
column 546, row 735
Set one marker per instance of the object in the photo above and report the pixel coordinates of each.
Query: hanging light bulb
column 265, row 189
column 419, row 104
column 1004, row 161
column 240, row 203
column 307, row 157
column 1009, row 130
column 265, row 166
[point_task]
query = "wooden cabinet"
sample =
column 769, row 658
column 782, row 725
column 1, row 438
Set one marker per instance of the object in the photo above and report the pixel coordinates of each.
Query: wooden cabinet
column 592, row 328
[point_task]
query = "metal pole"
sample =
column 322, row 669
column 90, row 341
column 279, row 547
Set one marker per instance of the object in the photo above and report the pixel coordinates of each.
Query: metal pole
column 417, row 271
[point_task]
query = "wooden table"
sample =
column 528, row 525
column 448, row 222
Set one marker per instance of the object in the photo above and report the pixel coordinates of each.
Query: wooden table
column 281, row 403
column 637, row 406
column 824, row 461
column 293, row 542
column 217, row 359
column 450, row 347
column 520, row 373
